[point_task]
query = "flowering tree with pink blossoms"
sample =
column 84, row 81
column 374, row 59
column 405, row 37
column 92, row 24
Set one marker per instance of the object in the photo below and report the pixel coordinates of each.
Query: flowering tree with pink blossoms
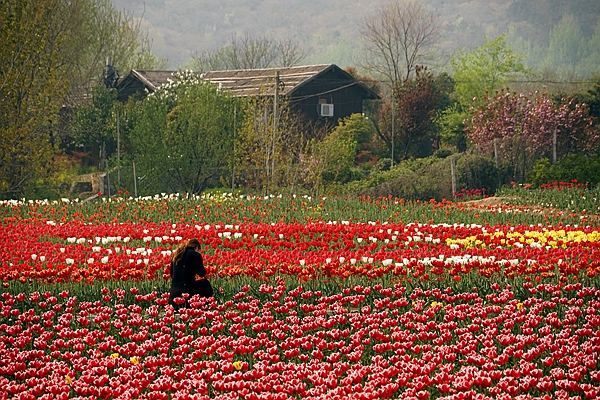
column 518, row 129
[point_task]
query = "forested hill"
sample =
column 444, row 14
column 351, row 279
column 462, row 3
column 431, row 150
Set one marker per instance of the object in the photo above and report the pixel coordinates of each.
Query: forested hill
column 330, row 30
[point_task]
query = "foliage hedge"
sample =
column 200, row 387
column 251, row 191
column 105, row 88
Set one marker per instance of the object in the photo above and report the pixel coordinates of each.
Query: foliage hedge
column 573, row 167
column 429, row 178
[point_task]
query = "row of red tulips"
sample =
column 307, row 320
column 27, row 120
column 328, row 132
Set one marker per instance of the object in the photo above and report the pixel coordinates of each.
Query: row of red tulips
column 365, row 342
column 73, row 252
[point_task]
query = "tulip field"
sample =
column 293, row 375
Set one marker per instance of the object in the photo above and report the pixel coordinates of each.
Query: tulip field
column 315, row 298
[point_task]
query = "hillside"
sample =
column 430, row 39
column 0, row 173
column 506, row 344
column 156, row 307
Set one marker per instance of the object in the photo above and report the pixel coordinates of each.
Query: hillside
column 330, row 30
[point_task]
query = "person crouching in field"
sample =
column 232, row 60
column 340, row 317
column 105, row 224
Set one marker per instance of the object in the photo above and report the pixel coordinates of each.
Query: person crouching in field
column 188, row 274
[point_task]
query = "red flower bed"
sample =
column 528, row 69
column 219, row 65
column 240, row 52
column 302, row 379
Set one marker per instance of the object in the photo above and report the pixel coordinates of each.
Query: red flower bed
column 564, row 185
column 328, row 310
column 75, row 251
column 365, row 342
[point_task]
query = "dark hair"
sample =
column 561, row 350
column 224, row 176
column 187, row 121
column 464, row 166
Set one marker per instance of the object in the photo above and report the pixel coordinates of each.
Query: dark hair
column 183, row 246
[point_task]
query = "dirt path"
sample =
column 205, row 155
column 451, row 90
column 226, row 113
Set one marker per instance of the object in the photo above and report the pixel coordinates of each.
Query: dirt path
column 489, row 201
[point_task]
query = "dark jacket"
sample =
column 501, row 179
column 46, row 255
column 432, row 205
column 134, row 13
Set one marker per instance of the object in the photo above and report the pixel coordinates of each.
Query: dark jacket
column 183, row 276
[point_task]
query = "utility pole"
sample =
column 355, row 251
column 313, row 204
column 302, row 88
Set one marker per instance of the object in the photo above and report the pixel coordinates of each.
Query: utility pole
column 393, row 112
column 233, row 158
column 118, row 153
column 275, row 122
column 276, row 101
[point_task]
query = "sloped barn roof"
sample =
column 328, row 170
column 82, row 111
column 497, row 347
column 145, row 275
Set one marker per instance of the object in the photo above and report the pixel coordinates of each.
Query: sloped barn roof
column 246, row 82
column 252, row 82
column 138, row 80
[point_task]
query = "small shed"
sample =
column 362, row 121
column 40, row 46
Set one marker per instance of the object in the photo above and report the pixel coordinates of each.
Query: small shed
column 320, row 92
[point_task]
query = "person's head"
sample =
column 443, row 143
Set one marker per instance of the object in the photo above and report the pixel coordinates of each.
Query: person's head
column 193, row 244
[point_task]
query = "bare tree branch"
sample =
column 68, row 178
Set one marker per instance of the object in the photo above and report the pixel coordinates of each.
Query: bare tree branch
column 398, row 37
column 250, row 52
column 289, row 52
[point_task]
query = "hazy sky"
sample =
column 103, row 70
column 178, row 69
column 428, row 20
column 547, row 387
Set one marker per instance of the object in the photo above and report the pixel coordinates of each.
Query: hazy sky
column 329, row 30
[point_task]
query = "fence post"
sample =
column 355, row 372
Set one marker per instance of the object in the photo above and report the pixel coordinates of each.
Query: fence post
column 134, row 181
column 554, row 147
column 453, row 171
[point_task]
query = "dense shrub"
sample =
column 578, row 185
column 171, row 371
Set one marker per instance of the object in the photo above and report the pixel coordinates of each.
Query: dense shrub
column 476, row 172
column 430, row 178
column 573, row 167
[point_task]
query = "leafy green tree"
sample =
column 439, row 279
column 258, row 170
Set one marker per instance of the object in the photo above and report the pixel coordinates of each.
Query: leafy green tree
column 482, row 71
column 183, row 137
column 451, row 127
column 49, row 48
column 333, row 157
column 31, row 89
column 593, row 99
column 363, row 130
column 93, row 129
column 590, row 62
column 148, row 120
column 566, row 48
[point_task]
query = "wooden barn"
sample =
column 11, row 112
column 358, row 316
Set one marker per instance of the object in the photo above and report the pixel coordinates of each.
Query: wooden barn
column 321, row 92
column 139, row 83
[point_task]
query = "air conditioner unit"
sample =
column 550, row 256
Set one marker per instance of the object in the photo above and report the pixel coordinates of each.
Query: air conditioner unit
column 326, row 110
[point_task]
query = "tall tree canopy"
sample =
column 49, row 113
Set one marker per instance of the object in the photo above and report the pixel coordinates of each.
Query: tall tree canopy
column 478, row 73
column 48, row 48
column 184, row 136
column 31, row 89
